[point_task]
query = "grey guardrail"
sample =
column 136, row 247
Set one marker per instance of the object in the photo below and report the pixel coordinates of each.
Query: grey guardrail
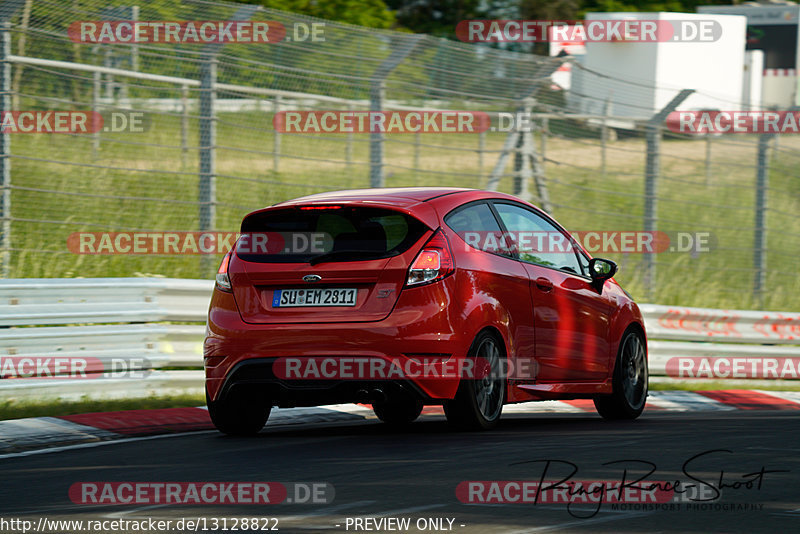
column 101, row 337
column 121, row 327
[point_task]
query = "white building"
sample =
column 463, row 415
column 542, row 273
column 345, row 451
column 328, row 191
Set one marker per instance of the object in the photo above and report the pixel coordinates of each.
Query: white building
column 772, row 27
column 637, row 79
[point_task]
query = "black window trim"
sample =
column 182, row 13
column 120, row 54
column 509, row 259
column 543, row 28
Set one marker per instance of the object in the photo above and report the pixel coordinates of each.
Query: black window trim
column 547, row 218
column 488, row 203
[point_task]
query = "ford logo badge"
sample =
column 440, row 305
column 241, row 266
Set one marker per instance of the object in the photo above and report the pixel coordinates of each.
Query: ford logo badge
column 312, row 278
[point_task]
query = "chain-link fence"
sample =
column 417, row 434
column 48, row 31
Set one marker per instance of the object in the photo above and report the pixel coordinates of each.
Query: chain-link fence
column 208, row 152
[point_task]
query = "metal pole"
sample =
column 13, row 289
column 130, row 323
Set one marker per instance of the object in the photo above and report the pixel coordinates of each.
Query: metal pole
column 184, row 125
column 276, row 137
column 543, row 139
column 497, row 173
column 109, row 77
column 522, row 162
column 401, row 48
column 376, row 139
column 760, row 237
column 134, row 46
column 481, row 150
column 208, row 140
column 604, row 137
column 96, row 88
column 348, row 149
column 5, row 148
column 417, row 141
column 708, row 159
column 652, row 169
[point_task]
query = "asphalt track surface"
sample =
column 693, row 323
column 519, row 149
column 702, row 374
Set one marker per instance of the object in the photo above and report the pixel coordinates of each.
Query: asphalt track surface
column 378, row 472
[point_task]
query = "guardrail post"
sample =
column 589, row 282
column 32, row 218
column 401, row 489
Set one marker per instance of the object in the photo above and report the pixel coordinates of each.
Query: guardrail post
column 760, row 236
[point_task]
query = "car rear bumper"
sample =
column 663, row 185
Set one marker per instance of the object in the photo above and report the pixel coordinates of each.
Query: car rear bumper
column 238, row 354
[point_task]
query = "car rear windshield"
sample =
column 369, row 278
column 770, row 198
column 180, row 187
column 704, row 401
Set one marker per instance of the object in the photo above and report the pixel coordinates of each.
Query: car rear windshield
column 319, row 234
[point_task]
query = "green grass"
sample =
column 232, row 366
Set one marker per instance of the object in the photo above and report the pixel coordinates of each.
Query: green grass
column 11, row 409
column 54, row 199
column 717, row 385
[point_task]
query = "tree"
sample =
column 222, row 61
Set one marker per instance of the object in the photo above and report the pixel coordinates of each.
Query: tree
column 369, row 13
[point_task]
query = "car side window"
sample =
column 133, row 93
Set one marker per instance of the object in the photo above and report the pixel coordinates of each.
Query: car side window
column 538, row 241
column 478, row 227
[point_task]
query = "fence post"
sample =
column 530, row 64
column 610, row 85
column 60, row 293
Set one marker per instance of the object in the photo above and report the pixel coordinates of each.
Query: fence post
column 653, row 140
column 604, row 136
column 108, row 62
column 522, row 161
column 276, row 137
column 376, row 95
column 481, row 150
column 652, row 170
column 208, row 139
column 96, row 87
column 708, row 159
column 760, row 237
column 543, row 139
column 184, row 125
column 417, row 141
column 5, row 145
column 348, row 148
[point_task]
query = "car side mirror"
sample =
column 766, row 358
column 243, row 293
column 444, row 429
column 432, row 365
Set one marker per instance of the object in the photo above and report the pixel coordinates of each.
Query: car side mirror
column 601, row 270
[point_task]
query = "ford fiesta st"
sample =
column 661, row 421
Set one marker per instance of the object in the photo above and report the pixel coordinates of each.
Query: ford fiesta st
column 407, row 297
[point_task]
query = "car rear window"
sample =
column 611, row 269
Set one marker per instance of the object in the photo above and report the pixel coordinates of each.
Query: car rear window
column 342, row 233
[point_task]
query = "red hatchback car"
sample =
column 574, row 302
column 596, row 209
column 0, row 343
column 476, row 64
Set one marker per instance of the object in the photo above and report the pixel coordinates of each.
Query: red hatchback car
column 408, row 297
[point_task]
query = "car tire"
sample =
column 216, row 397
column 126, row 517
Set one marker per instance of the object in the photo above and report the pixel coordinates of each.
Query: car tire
column 239, row 413
column 478, row 403
column 630, row 381
column 398, row 412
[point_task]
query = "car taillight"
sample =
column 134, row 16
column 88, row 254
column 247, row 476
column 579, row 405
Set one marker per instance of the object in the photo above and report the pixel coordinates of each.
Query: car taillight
column 434, row 262
column 223, row 282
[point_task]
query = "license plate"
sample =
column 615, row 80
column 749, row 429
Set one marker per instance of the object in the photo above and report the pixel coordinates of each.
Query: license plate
column 288, row 298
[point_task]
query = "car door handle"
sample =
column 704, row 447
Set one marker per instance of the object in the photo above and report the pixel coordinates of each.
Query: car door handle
column 544, row 284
